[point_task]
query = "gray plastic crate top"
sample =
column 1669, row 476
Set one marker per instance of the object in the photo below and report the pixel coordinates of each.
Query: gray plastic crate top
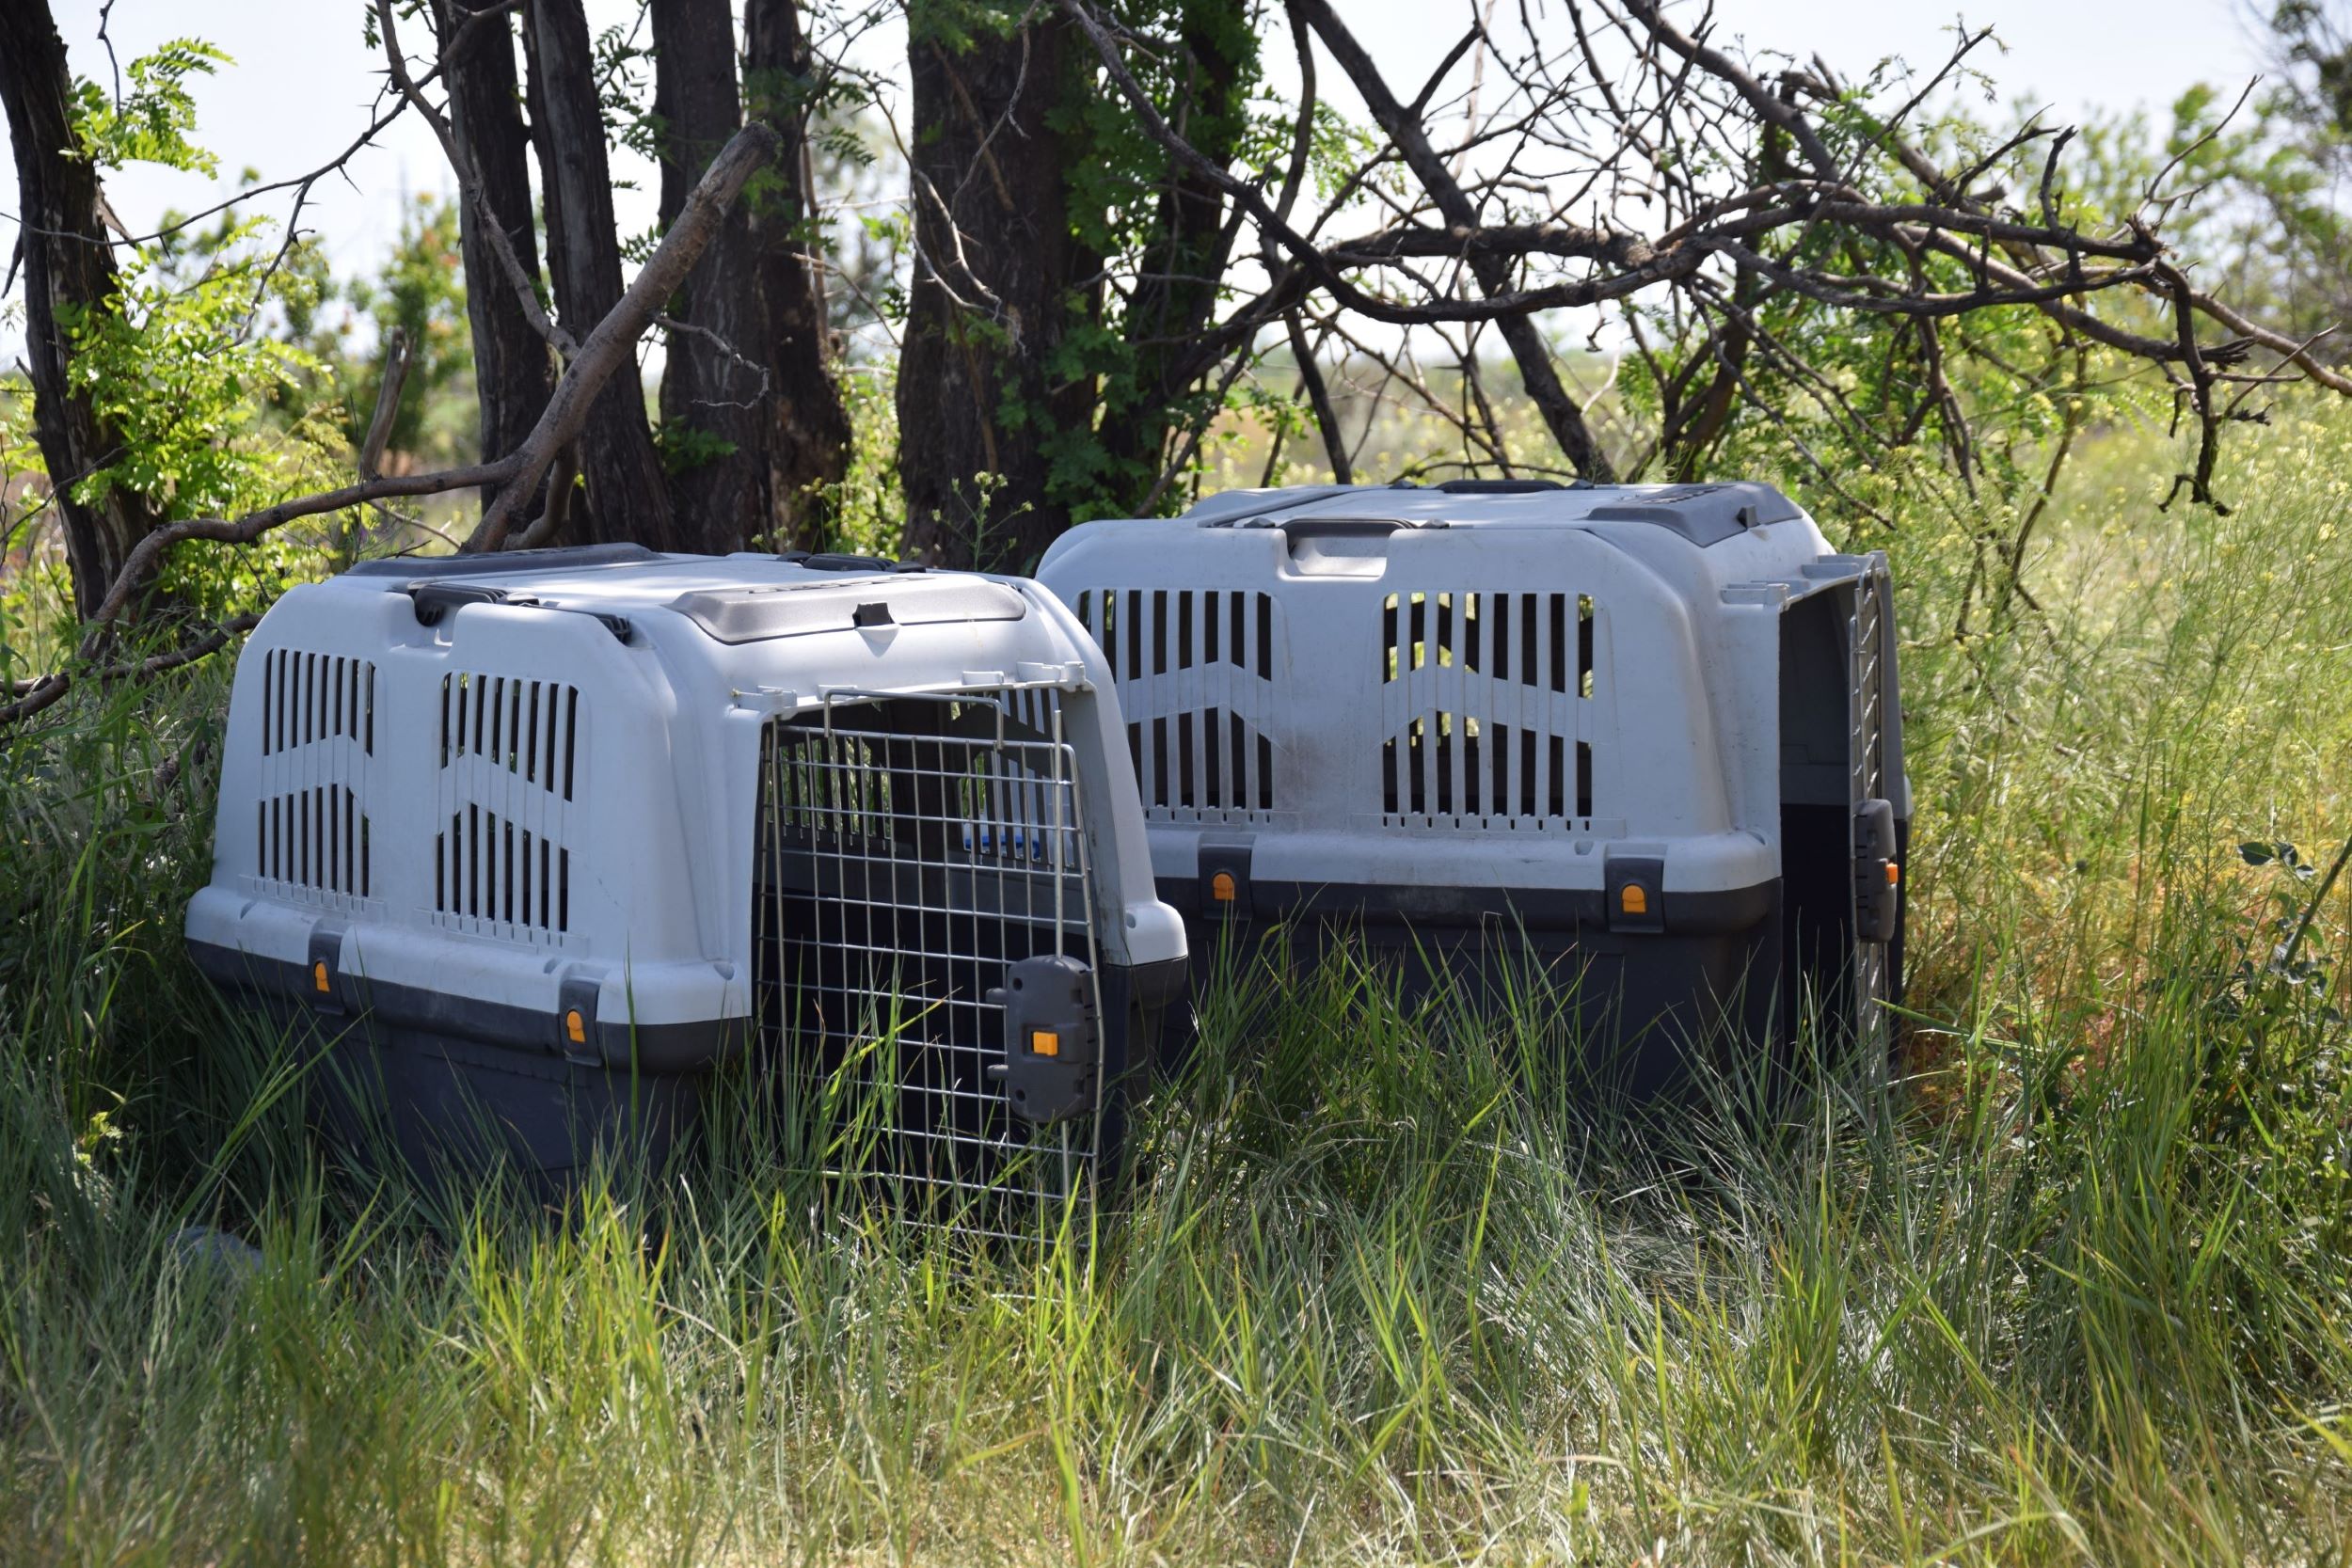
column 1489, row 685
column 608, row 806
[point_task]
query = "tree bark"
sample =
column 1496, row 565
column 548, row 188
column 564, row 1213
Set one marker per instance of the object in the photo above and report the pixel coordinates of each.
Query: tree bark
column 1177, row 285
column 809, row 445
column 995, row 265
column 514, row 370
column 712, row 391
column 626, row 498
column 69, row 270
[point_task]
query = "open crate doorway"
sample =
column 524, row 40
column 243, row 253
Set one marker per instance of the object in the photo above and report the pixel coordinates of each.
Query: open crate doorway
column 911, row 851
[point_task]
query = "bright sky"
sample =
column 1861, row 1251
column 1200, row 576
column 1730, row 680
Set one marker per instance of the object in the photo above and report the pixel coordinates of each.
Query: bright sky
column 304, row 78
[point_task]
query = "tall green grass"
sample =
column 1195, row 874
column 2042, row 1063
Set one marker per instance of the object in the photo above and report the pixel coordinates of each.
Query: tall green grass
column 1384, row 1287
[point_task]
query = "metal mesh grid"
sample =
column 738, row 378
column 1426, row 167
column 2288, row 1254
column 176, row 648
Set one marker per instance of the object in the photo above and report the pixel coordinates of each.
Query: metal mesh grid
column 911, row 850
column 1867, row 652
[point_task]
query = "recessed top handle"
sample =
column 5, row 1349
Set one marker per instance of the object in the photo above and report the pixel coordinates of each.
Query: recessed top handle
column 1298, row 528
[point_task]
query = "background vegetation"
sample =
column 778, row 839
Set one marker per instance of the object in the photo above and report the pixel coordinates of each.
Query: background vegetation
column 2078, row 1287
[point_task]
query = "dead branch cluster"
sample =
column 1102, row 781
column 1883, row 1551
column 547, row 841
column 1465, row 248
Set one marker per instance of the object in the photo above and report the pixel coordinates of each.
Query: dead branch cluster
column 1605, row 163
column 1633, row 165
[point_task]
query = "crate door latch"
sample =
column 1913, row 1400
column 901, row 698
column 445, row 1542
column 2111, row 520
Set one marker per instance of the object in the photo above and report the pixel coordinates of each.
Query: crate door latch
column 1877, row 874
column 1053, row 1044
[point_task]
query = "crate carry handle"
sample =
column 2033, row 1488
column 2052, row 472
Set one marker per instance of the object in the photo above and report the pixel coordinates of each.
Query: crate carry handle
column 1342, row 546
column 1296, row 528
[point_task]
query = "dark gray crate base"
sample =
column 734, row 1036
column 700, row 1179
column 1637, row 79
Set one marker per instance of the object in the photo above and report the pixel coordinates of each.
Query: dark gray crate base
column 1640, row 1009
column 436, row 1106
column 439, row 1109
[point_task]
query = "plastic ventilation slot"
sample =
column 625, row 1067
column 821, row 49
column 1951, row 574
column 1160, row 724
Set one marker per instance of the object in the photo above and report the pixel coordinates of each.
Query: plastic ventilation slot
column 1505, row 637
column 315, row 838
column 528, row 727
column 1209, row 758
column 1192, row 751
column 308, row 697
column 1503, row 772
column 1151, row 631
column 1483, row 750
column 485, row 868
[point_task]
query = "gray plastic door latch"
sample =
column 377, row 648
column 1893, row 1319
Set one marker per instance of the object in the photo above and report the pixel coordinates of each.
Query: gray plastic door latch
column 1053, row 1047
column 322, row 978
column 1225, row 880
column 1635, row 887
column 1877, row 874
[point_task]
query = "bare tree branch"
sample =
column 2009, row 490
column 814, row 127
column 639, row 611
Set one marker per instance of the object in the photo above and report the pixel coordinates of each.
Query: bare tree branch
column 606, row 350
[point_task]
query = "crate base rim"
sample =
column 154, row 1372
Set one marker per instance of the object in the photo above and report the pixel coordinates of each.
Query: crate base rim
column 694, row 1046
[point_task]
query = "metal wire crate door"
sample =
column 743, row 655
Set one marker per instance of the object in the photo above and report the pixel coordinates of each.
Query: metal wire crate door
column 912, row 848
column 1867, row 651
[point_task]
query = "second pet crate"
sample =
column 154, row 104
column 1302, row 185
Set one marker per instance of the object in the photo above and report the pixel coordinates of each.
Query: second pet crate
column 1644, row 737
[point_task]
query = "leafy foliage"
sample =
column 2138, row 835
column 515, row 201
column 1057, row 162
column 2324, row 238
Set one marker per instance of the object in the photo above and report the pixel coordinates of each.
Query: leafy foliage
column 420, row 292
column 152, row 124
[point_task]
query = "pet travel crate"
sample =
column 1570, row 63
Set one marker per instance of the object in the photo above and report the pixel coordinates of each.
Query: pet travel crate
column 538, row 839
column 1646, row 736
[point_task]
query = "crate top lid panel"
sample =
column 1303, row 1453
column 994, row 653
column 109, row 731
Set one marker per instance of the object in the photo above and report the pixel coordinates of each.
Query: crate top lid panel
column 1702, row 537
column 791, row 631
column 1702, row 513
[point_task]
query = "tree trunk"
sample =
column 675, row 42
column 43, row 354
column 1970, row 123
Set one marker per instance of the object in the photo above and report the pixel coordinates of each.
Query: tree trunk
column 714, row 410
column 513, row 369
column 1177, row 283
column 995, row 265
column 69, row 269
column 626, row 498
column 808, row 446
